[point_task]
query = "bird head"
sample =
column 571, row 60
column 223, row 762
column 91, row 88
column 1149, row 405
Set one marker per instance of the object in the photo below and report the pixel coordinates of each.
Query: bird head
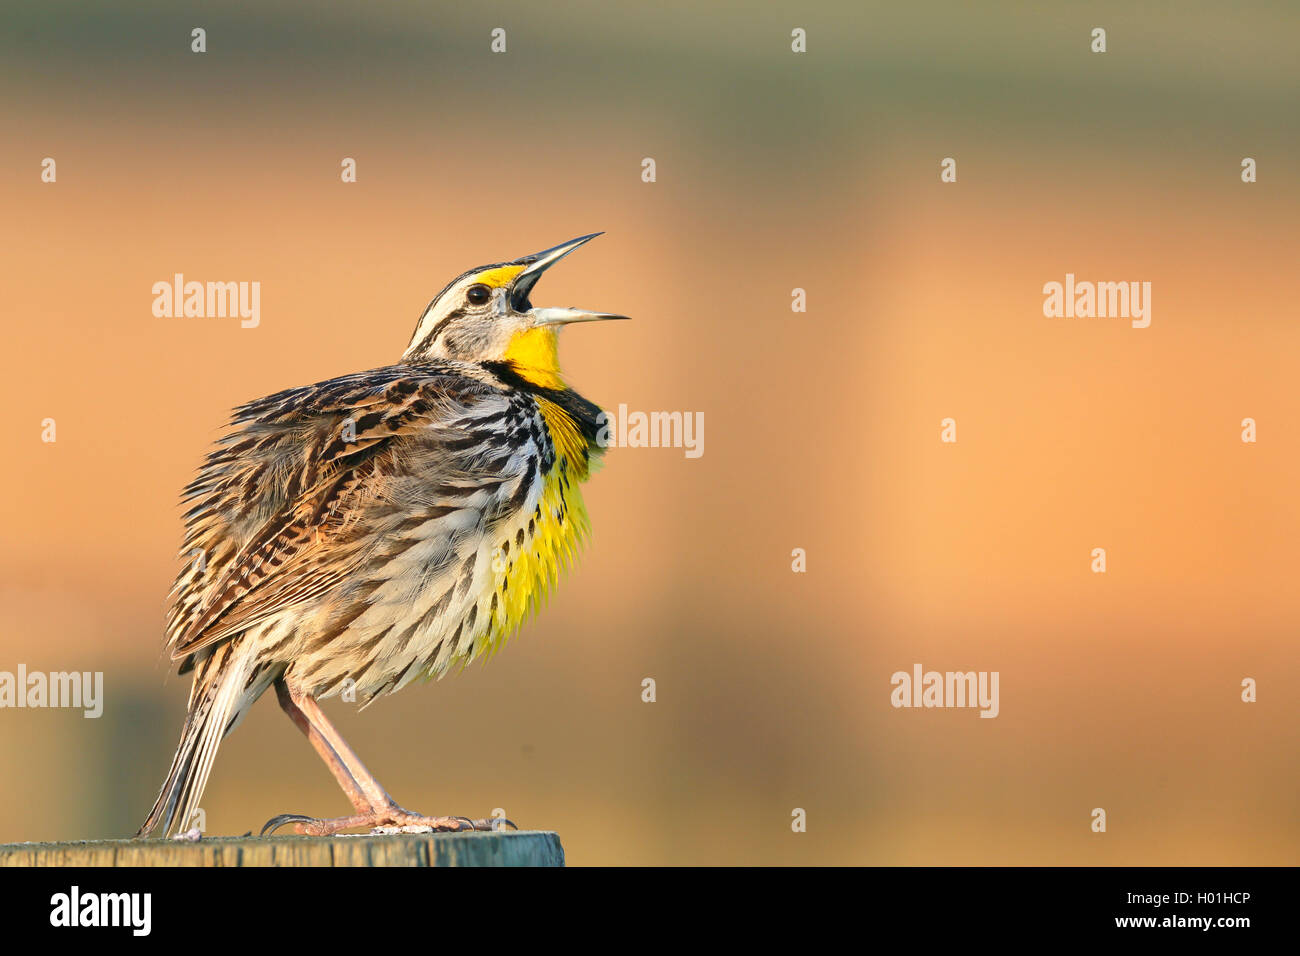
column 485, row 316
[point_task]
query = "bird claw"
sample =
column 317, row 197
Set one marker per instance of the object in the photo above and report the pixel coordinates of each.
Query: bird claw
column 489, row 823
column 275, row 823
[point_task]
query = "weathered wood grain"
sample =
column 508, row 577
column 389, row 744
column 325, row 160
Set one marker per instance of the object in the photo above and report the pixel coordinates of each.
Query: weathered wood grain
column 509, row 848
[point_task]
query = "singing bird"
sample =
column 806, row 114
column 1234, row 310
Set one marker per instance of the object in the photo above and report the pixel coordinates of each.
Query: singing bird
column 381, row 527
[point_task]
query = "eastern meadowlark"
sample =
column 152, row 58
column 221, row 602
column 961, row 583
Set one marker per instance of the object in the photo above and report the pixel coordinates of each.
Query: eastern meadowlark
column 380, row 527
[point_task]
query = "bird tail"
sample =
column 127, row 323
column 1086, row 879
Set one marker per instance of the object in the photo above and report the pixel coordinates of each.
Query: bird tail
column 217, row 701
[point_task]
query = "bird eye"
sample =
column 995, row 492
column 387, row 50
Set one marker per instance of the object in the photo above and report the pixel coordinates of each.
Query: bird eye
column 478, row 293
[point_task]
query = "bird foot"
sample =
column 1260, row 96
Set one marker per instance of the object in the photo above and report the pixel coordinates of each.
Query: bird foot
column 388, row 820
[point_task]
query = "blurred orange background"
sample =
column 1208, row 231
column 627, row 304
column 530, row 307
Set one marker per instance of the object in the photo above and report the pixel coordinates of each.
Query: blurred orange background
column 775, row 170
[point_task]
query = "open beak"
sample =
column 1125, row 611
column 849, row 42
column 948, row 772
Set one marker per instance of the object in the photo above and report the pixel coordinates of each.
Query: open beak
column 566, row 316
column 537, row 264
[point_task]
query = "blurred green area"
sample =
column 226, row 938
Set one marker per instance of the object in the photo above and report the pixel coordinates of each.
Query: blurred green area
column 722, row 71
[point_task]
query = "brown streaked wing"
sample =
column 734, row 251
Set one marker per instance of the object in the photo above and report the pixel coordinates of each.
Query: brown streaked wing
column 276, row 503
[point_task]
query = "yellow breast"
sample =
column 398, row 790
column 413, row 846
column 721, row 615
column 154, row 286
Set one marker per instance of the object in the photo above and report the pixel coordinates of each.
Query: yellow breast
column 551, row 535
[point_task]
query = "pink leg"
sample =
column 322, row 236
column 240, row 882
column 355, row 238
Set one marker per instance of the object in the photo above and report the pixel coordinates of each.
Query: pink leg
column 371, row 801
column 290, row 703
